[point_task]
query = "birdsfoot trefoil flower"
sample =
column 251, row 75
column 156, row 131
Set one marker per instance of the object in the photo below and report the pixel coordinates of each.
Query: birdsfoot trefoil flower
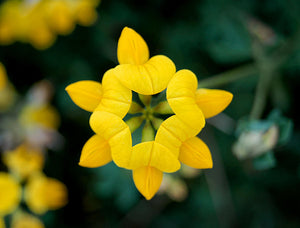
column 169, row 127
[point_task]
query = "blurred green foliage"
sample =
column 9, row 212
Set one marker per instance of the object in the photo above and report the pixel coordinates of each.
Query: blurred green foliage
column 209, row 37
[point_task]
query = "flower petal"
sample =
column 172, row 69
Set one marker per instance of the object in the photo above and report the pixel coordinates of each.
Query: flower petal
column 212, row 101
column 181, row 95
column 155, row 155
column 10, row 193
column 113, row 129
column 116, row 98
column 86, row 94
column 195, row 153
column 149, row 78
column 147, row 180
column 95, row 152
column 132, row 48
column 172, row 132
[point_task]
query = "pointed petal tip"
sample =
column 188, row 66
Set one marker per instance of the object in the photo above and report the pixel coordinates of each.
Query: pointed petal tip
column 147, row 180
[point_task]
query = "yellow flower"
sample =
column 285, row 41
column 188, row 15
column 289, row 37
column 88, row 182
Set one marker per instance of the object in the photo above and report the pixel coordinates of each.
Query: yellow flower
column 59, row 16
column 43, row 194
column 136, row 71
column 25, row 220
column 85, row 11
column 43, row 115
column 175, row 140
column 10, row 194
column 9, row 14
column 24, row 161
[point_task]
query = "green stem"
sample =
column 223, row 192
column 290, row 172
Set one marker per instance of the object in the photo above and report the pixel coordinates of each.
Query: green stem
column 229, row 76
column 261, row 93
column 267, row 69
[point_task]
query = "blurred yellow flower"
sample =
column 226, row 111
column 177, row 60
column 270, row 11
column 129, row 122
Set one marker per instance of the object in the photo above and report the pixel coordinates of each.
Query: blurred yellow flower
column 39, row 22
column 43, row 194
column 24, row 161
column 136, row 71
column 85, row 12
column 10, row 194
column 25, row 220
column 7, row 91
column 3, row 77
column 59, row 16
column 43, row 115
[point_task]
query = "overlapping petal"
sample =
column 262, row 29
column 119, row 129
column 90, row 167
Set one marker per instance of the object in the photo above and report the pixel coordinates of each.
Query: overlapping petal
column 153, row 154
column 149, row 78
column 172, row 132
column 116, row 132
column 195, row 153
column 181, row 95
column 86, row 94
column 147, row 180
column 132, row 48
column 116, row 98
column 212, row 101
column 95, row 152
column 111, row 96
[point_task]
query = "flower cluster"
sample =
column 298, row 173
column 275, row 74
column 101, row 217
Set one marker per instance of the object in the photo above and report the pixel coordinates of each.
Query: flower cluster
column 24, row 139
column 38, row 22
column 169, row 128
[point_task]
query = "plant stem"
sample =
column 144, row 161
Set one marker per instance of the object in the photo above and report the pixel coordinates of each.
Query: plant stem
column 229, row 76
column 267, row 69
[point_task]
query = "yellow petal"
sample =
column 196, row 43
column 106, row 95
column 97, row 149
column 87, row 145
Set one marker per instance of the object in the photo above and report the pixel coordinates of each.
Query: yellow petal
column 147, row 180
column 86, row 94
column 10, row 193
column 24, row 160
column 181, row 95
column 116, row 98
column 43, row 194
column 132, row 48
column 149, row 78
column 113, row 129
column 172, row 132
column 195, row 153
column 155, row 155
column 212, row 101
column 95, row 152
